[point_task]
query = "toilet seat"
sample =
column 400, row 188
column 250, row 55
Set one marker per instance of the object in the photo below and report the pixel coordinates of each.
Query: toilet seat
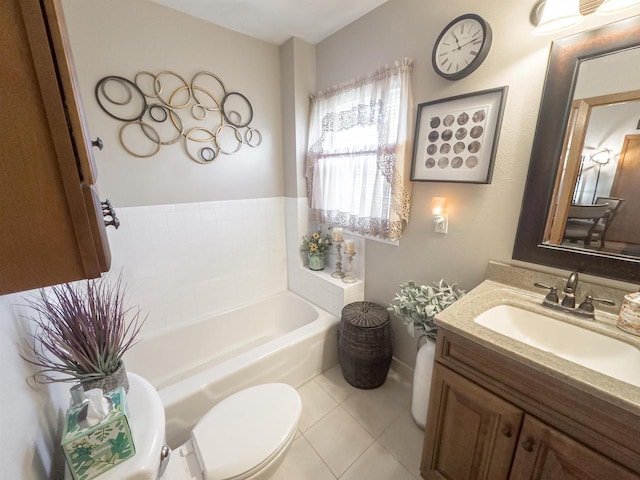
column 246, row 431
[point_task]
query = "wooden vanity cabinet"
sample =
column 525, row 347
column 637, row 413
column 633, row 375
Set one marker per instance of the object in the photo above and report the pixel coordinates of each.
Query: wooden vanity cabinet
column 51, row 224
column 492, row 418
column 545, row 453
column 474, row 432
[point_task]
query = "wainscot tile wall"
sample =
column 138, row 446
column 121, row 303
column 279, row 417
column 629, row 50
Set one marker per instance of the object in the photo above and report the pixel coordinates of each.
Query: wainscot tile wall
column 186, row 261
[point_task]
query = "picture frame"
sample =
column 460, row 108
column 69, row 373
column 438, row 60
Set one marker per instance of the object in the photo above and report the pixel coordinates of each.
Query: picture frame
column 456, row 137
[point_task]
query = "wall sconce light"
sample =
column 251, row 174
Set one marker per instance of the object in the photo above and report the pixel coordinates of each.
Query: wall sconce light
column 556, row 15
column 615, row 6
column 440, row 215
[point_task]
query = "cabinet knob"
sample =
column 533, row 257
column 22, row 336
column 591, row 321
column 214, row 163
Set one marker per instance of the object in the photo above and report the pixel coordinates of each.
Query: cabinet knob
column 114, row 222
column 528, row 444
column 108, row 211
column 506, row 431
column 97, row 143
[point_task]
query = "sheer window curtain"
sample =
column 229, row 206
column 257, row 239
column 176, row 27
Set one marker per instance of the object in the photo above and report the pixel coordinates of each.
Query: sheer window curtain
column 357, row 172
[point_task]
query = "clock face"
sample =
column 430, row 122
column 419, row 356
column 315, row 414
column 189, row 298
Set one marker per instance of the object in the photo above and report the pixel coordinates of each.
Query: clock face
column 461, row 47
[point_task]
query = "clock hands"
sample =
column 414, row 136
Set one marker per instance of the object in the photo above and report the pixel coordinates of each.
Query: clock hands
column 456, row 39
column 475, row 40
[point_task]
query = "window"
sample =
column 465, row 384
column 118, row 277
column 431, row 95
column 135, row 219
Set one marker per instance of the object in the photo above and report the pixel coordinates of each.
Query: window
column 356, row 169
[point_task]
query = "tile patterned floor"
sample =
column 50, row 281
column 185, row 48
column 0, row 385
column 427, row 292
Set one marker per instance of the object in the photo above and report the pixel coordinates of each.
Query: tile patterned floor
column 351, row 434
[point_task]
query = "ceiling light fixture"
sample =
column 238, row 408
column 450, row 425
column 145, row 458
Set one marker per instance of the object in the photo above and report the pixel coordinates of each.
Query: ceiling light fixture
column 559, row 15
column 615, row 6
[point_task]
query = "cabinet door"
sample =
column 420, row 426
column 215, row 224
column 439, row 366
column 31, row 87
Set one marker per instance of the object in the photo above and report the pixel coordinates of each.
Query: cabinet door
column 544, row 453
column 49, row 234
column 471, row 433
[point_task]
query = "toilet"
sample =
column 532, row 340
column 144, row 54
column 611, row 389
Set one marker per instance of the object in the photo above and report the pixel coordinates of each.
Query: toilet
column 244, row 437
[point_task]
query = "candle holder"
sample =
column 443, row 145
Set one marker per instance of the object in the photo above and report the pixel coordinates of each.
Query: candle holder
column 348, row 277
column 338, row 273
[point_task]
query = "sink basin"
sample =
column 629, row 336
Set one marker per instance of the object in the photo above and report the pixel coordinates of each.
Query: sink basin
column 578, row 345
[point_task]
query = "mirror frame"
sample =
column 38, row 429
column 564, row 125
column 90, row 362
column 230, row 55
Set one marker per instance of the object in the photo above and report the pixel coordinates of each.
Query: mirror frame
column 564, row 62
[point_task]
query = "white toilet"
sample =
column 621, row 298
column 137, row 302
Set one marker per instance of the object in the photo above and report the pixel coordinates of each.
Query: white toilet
column 244, row 437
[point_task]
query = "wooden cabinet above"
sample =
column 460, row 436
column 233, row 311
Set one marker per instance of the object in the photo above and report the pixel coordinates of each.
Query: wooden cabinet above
column 50, row 230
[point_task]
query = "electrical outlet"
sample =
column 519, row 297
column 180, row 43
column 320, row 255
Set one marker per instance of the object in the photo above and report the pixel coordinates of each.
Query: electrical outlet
column 442, row 223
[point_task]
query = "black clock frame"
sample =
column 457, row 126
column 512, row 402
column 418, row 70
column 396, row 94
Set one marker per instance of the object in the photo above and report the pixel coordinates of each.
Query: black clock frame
column 487, row 36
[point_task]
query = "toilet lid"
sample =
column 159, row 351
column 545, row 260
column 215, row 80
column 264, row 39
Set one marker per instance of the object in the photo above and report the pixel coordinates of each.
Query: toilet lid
column 245, row 429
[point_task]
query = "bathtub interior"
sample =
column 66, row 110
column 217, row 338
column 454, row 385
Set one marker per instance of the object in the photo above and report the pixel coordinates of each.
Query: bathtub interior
column 172, row 355
column 200, row 364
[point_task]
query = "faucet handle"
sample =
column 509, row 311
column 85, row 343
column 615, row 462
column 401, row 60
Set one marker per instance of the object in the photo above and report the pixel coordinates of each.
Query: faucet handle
column 587, row 305
column 552, row 296
column 604, row 301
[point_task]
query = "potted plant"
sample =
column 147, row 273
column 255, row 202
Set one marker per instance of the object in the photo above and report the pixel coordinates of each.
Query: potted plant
column 417, row 305
column 81, row 332
column 315, row 245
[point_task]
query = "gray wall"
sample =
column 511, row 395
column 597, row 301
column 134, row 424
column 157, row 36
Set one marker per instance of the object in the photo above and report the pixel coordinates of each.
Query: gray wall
column 298, row 77
column 31, row 418
column 483, row 218
column 133, row 36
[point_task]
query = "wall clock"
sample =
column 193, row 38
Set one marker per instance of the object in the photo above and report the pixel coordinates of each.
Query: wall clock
column 461, row 47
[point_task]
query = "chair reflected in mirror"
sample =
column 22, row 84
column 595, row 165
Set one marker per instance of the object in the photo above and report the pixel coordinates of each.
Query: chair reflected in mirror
column 589, row 223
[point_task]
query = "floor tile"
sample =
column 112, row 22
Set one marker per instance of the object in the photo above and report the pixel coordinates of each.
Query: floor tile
column 335, row 384
column 398, row 387
column 302, row 463
column 316, row 403
column 377, row 464
column 339, row 440
column 404, row 440
column 374, row 409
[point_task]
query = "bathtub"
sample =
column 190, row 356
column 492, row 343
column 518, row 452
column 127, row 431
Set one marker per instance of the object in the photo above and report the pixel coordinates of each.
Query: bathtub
column 282, row 338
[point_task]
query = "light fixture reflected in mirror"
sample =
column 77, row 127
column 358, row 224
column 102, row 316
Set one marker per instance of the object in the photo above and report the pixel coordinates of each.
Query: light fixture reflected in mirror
column 558, row 15
column 615, row 6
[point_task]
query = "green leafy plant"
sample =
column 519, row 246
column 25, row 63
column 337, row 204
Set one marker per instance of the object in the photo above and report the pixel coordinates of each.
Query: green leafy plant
column 81, row 330
column 316, row 244
column 416, row 305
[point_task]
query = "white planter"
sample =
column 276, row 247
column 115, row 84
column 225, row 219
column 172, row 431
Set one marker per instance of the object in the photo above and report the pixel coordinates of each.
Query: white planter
column 422, row 382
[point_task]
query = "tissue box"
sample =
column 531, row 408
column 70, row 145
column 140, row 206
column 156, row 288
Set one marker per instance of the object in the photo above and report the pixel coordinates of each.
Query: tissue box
column 94, row 450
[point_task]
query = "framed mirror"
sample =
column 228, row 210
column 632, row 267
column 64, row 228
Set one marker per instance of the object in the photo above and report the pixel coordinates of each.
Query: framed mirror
column 564, row 195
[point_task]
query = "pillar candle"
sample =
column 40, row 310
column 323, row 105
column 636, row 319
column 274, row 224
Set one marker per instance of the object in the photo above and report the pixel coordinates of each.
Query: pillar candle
column 349, row 246
column 337, row 235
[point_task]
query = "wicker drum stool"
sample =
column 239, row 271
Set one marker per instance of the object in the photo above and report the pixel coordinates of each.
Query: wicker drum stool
column 365, row 344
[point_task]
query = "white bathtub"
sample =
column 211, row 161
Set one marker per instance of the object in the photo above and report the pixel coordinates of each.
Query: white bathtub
column 279, row 339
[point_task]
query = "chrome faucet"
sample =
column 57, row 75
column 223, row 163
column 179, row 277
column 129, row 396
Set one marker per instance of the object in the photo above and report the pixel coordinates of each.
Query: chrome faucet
column 568, row 304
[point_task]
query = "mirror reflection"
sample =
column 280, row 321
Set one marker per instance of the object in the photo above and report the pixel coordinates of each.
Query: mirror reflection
column 596, row 199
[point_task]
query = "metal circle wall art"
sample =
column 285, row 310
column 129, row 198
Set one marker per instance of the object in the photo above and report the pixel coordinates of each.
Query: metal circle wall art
column 163, row 108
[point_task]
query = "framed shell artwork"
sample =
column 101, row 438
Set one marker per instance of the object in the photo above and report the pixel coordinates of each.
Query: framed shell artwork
column 456, row 137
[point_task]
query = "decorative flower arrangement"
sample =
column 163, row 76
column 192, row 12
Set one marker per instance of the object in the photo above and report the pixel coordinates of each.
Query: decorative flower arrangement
column 82, row 330
column 416, row 305
column 316, row 244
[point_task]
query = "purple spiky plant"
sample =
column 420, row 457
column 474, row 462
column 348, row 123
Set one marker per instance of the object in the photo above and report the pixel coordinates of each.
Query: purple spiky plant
column 82, row 330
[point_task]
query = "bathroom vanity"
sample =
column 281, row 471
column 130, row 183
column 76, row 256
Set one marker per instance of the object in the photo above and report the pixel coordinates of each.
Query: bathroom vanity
column 502, row 409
